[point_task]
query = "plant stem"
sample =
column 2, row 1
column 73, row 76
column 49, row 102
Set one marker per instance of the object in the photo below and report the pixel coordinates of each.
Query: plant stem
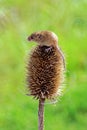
column 41, row 114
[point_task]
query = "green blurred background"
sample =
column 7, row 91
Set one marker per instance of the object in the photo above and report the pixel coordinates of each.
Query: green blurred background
column 18, row 19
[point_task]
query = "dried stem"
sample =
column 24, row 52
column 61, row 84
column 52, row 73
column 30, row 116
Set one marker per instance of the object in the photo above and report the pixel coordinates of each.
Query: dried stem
column 41, row 114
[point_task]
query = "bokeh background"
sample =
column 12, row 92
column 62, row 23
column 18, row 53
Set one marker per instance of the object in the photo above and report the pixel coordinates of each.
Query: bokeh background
column 18, row 19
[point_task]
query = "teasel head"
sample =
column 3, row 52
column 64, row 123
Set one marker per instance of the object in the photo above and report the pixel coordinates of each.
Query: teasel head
column 45, row 66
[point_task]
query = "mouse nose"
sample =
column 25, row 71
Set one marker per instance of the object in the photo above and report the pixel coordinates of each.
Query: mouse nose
column 30, row 38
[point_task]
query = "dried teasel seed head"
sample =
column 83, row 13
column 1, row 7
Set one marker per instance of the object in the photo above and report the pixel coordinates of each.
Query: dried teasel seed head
column 45, row 66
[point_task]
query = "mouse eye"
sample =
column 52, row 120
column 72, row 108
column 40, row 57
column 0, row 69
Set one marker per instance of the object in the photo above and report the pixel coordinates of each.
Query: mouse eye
column 31, row 37
column 39, row 36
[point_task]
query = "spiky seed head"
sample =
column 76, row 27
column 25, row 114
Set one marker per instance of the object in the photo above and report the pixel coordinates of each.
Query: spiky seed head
column 45, row 66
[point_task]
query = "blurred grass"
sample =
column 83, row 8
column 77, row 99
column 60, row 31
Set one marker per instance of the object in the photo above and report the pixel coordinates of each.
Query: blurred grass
column 18, row 19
